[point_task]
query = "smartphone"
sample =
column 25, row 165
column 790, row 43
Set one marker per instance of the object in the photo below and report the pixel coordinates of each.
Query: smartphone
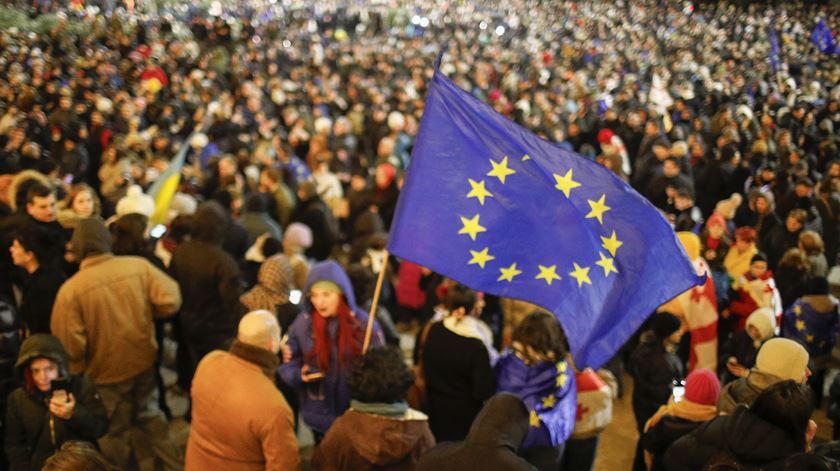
column 679, row 392
column 59, row 388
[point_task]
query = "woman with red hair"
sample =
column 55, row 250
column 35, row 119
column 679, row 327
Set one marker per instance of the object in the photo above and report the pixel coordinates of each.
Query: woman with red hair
column 322, row 344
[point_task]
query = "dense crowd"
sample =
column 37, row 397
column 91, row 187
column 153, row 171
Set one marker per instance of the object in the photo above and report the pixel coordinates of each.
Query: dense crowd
column 297, row 122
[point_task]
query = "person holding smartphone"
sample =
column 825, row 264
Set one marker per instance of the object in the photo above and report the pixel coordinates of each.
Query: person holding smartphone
column 52, row 406
column 322, row 344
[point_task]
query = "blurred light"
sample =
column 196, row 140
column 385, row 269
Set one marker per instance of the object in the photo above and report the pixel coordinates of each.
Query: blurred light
column 500, row 30
column 287, row 44
column 424, row 22
column 482, row 25
column 415, row 20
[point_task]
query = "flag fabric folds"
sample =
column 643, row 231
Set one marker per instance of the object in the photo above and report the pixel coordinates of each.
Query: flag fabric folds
column 493, row 206
column 774, row 47
column 164, row 188
column 823, row 38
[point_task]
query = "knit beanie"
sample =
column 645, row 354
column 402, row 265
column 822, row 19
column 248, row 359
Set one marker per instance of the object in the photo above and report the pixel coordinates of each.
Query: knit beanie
column 299, row 235
column 783, row 358
column 664, row 324
column 135, row 201
column 764, row 322
column 90, row 238
column 702, row 387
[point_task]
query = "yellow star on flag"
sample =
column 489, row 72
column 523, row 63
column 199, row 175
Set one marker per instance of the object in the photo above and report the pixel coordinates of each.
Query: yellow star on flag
column 565, row 183
column 611, row 243
column 549, row 401
column 478, row 191
column 508, row 273
column 598, row 208
column 561, row 367
column 471, row 226
column 581, row 274
column 800, row 325
column 526, row 157
column 534, row 419
column 797, row 310
column 480, row 258
column 809, row 338
column 561, row 380
column 607, row 264
column 548, row 274
column 500, row 170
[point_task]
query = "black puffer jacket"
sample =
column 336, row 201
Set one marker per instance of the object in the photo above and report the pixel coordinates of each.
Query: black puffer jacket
column 742, row 438
column 32, row 433
column 654, row 370
column 492, row 443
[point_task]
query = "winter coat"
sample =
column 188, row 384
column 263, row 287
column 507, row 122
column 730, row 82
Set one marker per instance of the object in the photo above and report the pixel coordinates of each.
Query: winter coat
column 813, row 321
column 39, row 292
column 654, row 371
column 745, row 390
column 492, row 443
column 548, row 389
column 315, row 214
column 743, row 437
column 671, row 422
column 32, row 433
column 359, row 441
column 459, row 379
column 752, row 293
column 240, row 420
column 120, row 346
column 210, row 283
column 322, row 401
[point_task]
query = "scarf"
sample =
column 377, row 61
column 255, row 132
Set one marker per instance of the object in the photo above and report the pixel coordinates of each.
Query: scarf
column 261, row 357
column 684, row 409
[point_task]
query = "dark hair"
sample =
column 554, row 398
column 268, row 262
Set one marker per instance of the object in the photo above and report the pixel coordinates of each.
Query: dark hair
column 817, row 285
column 255, row 203
column 759, row 257
column 128, row 235
column 39, row 240
column 542, row 332
column 362, row 279
column 809, row 462
column 787, row 405
column 209, row 223
column 38, row 190
column 271, row 246
column 380, row 375
column 77, row 456
column 459, row 296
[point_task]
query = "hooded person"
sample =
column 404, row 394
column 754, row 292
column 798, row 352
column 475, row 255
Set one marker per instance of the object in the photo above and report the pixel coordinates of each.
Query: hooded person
column 42, row 414
column 119, row 354
column 322, row 344
column 680, row 416
column 210, row 282
column 379, row 431
column 492, row 442
column 738, row 354
column 778, row 360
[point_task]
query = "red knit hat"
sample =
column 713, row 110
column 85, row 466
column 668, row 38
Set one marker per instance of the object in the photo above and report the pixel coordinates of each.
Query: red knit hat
column 702, row 387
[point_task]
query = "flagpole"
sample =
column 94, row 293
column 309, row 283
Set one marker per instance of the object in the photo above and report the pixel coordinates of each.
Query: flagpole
column 375, row 302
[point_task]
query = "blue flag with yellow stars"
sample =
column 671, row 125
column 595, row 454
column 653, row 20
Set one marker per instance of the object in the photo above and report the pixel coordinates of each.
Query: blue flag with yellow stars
column 816, row 329
column 493, row 206
column 548, row 390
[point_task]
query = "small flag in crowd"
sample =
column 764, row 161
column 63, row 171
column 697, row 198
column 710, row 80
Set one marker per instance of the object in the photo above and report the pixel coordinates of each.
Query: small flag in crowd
column 493, row 206
column 823, row 38
column 774, row 47
column 164, row 188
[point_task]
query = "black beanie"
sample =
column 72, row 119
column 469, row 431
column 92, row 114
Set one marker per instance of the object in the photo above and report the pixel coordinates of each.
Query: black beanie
column 663, row 324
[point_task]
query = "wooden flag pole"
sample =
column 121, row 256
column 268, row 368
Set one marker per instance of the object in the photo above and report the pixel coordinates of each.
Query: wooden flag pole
column 375, row 302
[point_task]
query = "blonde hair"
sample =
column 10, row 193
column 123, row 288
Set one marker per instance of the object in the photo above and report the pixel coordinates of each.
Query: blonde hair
column 811, row 243
column 75, row 191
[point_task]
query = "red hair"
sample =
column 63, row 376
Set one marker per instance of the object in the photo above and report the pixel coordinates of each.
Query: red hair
column 349, row 336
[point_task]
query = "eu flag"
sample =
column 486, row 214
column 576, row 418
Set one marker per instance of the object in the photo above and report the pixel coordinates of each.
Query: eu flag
column 823, row 38
column 491, row 205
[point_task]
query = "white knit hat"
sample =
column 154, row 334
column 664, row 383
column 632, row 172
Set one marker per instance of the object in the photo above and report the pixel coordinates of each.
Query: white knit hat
column 135, row 201
column 782, row 358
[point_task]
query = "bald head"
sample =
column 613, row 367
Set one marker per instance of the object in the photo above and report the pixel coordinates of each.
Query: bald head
column 260, row 329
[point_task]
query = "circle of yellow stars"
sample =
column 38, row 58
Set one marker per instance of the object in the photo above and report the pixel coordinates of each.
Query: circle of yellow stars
column 566, row 184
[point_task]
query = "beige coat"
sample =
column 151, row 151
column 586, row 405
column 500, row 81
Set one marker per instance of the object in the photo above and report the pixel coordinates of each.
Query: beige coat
column 103, row 315
column 241, row 422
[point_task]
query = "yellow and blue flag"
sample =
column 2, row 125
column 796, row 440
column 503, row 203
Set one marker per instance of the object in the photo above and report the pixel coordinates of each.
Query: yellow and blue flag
column 164, row 188
column 493, row 206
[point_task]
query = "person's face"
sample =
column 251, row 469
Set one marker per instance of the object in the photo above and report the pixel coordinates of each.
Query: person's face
column 43, row 371
column 42, row 208
column 793, row 224
column 758, row 269
column 742, row 244
column 83, row 204
column 670, row 169
column 266, row 184
column 802, row 191
column 753, row 332
column 761, row 206
column 227, row 167
column 357, row 183
column 325, row 301
column 20, row 256
column 675, row 338
column 682, row 203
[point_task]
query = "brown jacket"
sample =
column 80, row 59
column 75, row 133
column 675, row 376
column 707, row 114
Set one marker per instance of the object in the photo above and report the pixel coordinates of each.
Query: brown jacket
column 358, row 441
column 241, row 422
column 103, row 316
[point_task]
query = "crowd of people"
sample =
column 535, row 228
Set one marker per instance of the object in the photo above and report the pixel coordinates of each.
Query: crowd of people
column 297, row 123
